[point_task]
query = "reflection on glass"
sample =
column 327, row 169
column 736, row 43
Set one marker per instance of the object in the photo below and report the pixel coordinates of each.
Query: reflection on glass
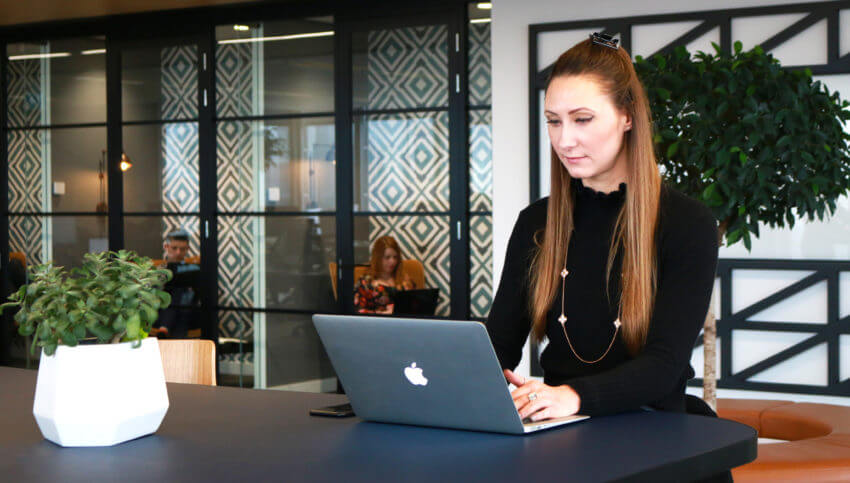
column 57, row 170
column 295, row 357
column 423, row 238
column 164, row 176
column 401, row 162
column 57, row 82
column 276, row 262
column 280, row 165
column 281, row 67
column 159, row 83
column 60, row 239
column 403, row 68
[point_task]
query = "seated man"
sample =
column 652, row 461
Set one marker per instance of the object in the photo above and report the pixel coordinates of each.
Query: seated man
column 176, row 319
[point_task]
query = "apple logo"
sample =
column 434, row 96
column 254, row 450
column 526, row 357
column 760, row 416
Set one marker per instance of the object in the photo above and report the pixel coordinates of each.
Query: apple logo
column 414, row 375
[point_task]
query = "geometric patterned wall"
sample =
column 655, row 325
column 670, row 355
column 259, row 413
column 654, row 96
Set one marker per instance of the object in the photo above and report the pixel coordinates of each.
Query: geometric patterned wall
column 179, row 148
column 408, row 154
column 235, row 155
column 26, row 158
column 480, row 171
column 408, row 68
column 479, row 67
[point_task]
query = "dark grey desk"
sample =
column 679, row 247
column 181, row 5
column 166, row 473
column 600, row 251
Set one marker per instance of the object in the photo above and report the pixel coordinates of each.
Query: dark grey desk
column 227, row 434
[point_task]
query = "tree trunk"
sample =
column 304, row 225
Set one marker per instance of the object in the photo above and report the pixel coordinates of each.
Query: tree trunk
column 709, row 341
column 709, row 345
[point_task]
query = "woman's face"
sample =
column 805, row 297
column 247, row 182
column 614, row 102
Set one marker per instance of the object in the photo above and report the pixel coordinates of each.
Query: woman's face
column 586, row 130
column 389, row 261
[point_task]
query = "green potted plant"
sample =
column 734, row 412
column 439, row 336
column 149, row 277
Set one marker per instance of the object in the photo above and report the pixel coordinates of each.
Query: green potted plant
column 753, row 141
column 100, row 379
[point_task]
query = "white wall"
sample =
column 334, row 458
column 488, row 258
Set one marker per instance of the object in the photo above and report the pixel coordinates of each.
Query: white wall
column 511, row 18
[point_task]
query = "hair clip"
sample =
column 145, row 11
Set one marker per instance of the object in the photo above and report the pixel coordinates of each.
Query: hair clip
column 606, row 40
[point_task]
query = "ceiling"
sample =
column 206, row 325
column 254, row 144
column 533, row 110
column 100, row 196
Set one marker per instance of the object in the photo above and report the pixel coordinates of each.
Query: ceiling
column 16, row 12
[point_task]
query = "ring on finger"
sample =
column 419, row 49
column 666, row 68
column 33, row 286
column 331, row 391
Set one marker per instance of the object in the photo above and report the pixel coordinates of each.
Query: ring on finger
column 532, row 396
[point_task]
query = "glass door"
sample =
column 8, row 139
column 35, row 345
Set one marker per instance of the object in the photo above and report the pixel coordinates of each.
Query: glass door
column 276, row 203
column 160, row 168
column 403, row 91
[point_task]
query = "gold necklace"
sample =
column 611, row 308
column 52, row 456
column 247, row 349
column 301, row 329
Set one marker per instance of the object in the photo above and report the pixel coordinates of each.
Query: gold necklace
column 563, row 320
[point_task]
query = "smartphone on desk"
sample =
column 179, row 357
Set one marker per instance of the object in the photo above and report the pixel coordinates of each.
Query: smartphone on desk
column 336, row 411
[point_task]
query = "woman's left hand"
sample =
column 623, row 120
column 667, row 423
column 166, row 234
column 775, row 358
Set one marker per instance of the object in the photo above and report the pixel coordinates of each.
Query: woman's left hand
column 540, row 401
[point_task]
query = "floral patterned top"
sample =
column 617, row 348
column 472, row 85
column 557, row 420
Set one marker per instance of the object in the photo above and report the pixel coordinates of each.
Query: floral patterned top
column 372, row 296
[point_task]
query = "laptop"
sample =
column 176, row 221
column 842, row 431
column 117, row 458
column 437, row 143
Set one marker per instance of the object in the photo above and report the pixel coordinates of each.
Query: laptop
column 416, row 302
column 439, row 373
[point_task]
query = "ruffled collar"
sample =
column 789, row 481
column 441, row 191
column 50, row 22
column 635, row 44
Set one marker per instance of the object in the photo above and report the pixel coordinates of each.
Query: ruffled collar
column 583, row 192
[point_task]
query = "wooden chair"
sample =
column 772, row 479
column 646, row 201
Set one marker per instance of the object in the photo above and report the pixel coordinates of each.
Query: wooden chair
column 190, row 361
column 413, row 268
column 194, row 260
column 19, row 256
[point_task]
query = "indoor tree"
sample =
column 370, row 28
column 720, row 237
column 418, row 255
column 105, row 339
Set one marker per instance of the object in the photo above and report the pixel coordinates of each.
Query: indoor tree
column 756, row 142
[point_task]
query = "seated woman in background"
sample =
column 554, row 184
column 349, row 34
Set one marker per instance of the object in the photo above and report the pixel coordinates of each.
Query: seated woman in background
column 374, row 292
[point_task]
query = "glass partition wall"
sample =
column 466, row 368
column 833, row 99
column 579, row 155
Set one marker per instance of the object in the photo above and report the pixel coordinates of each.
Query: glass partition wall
column 160, row 170
column 277, row 212
column 55, row 132
column 276, row 204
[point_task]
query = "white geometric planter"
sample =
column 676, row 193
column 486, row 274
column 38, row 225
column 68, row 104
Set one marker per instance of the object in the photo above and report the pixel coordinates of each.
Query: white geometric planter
column 100, row 395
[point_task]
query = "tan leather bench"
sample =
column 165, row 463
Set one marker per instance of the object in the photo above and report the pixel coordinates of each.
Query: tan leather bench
column 817, row 447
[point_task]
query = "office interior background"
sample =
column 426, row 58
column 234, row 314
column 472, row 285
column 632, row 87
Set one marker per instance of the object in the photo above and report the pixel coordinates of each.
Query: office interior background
column 288, row 136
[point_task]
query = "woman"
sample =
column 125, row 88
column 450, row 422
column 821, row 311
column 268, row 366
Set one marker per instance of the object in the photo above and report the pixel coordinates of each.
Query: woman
column 375, row 290
column 614, row 268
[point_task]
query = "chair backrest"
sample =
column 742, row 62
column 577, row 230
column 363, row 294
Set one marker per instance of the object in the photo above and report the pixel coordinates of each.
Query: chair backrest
column 190, row 361
column 19, row 256
column 332, row 270
column 413, row 268
column 193, row 260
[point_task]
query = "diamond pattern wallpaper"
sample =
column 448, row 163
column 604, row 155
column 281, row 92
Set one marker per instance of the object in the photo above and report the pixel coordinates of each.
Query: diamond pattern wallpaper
column 478, row 64
column 480, row 264
column 480, row 171
column 480, row 161
column 481, row 200
column 179, row 149
column 236, row 192
column 24, row 93
column 408, row 154
column 26, row 158
column 234, row 78
column 408, row 162
column 179, row 91
column 408, row 68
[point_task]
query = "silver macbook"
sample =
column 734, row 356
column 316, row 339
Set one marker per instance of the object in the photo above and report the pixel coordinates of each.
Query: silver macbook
column 425, row 372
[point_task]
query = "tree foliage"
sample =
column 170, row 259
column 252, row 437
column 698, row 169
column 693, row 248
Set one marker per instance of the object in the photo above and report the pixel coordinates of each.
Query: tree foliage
column 753, row 141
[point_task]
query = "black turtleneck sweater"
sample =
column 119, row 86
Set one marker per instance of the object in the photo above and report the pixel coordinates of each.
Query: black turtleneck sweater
column 656, row 376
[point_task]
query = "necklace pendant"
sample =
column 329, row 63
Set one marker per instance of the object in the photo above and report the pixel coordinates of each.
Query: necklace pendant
column 564, row 273
column 562, row 319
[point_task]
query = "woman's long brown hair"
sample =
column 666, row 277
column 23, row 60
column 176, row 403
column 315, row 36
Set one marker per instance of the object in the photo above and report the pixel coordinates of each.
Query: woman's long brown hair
column 634, row 232
column 378, row 249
